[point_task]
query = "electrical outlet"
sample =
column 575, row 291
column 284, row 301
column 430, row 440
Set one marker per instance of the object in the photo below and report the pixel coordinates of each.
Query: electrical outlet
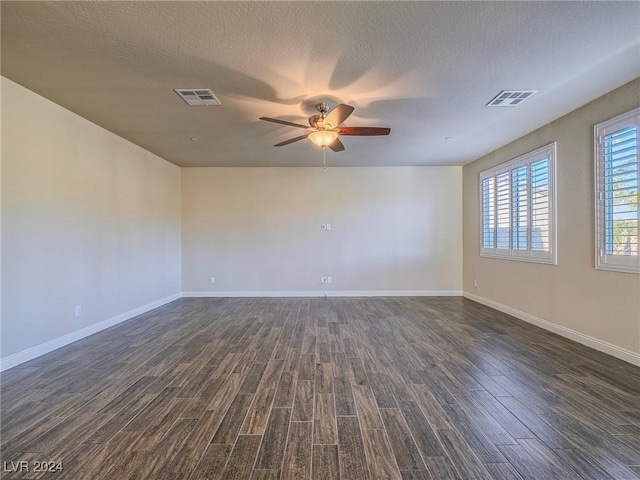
column 78, row 311
column 475, row 283
column 329, row 280
column 323, row 280
column 329, row 228
column 212, row 279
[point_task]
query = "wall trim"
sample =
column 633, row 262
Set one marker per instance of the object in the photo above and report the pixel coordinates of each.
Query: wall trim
column 329, row 293
column 589, row 341
column 39, row 350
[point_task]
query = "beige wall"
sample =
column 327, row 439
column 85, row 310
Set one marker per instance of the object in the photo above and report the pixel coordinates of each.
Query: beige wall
column 599, row 304
column 259, row 229
column 88, row 219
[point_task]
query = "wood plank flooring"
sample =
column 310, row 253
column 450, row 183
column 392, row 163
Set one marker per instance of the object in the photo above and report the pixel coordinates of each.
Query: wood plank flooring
column 315, row 388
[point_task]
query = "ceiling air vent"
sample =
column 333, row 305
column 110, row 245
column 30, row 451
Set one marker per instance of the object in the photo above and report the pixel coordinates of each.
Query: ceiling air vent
column 510, row 98
column 198, row 96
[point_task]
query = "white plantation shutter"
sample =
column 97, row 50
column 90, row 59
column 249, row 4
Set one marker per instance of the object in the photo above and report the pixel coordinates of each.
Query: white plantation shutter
column 540, row 202
column 520, row 207
column 617, row 180
column 517, row 208
column 503, row 207
column 488, row 213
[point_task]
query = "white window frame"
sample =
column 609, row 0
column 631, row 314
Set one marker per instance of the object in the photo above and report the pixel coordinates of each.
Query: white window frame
column 604, row 261
column 523, row 255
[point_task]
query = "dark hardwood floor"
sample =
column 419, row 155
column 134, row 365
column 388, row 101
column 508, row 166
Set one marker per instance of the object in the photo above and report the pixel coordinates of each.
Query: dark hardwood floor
column 309, row 388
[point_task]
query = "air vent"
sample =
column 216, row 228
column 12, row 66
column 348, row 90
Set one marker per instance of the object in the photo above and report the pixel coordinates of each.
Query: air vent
column 198, row 96
column 510, row 98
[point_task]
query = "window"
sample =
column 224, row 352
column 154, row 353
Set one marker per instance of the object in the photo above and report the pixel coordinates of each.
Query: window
column 617, row 177
column 518, row 208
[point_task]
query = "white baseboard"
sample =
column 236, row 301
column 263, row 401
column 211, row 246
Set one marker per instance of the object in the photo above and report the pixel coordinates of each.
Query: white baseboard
column 589, row 341
column 329, row 293
column 38, row 350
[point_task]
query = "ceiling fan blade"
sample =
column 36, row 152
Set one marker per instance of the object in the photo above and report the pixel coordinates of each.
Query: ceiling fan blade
column 339, row 114
column 284, row 122
column 291, row 140
column 364, row 131
column 337, row 145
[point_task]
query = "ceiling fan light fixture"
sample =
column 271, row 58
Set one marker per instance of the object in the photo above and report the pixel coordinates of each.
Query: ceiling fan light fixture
column 323, row 138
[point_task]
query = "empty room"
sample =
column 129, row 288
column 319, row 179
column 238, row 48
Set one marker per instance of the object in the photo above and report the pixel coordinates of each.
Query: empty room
column 439, row 279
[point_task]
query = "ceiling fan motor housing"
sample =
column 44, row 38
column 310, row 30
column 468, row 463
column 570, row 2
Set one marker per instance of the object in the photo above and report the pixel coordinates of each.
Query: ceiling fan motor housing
column 316, row 121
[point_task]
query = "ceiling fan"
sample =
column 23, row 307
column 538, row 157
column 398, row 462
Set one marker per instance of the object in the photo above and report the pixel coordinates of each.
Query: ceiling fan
column 325, row 127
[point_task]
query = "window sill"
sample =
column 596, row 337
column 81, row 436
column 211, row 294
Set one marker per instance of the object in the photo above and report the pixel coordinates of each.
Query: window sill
column 545, row 261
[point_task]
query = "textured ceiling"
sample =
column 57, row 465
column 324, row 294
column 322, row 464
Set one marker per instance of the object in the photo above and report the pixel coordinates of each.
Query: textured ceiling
column 425, row 69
